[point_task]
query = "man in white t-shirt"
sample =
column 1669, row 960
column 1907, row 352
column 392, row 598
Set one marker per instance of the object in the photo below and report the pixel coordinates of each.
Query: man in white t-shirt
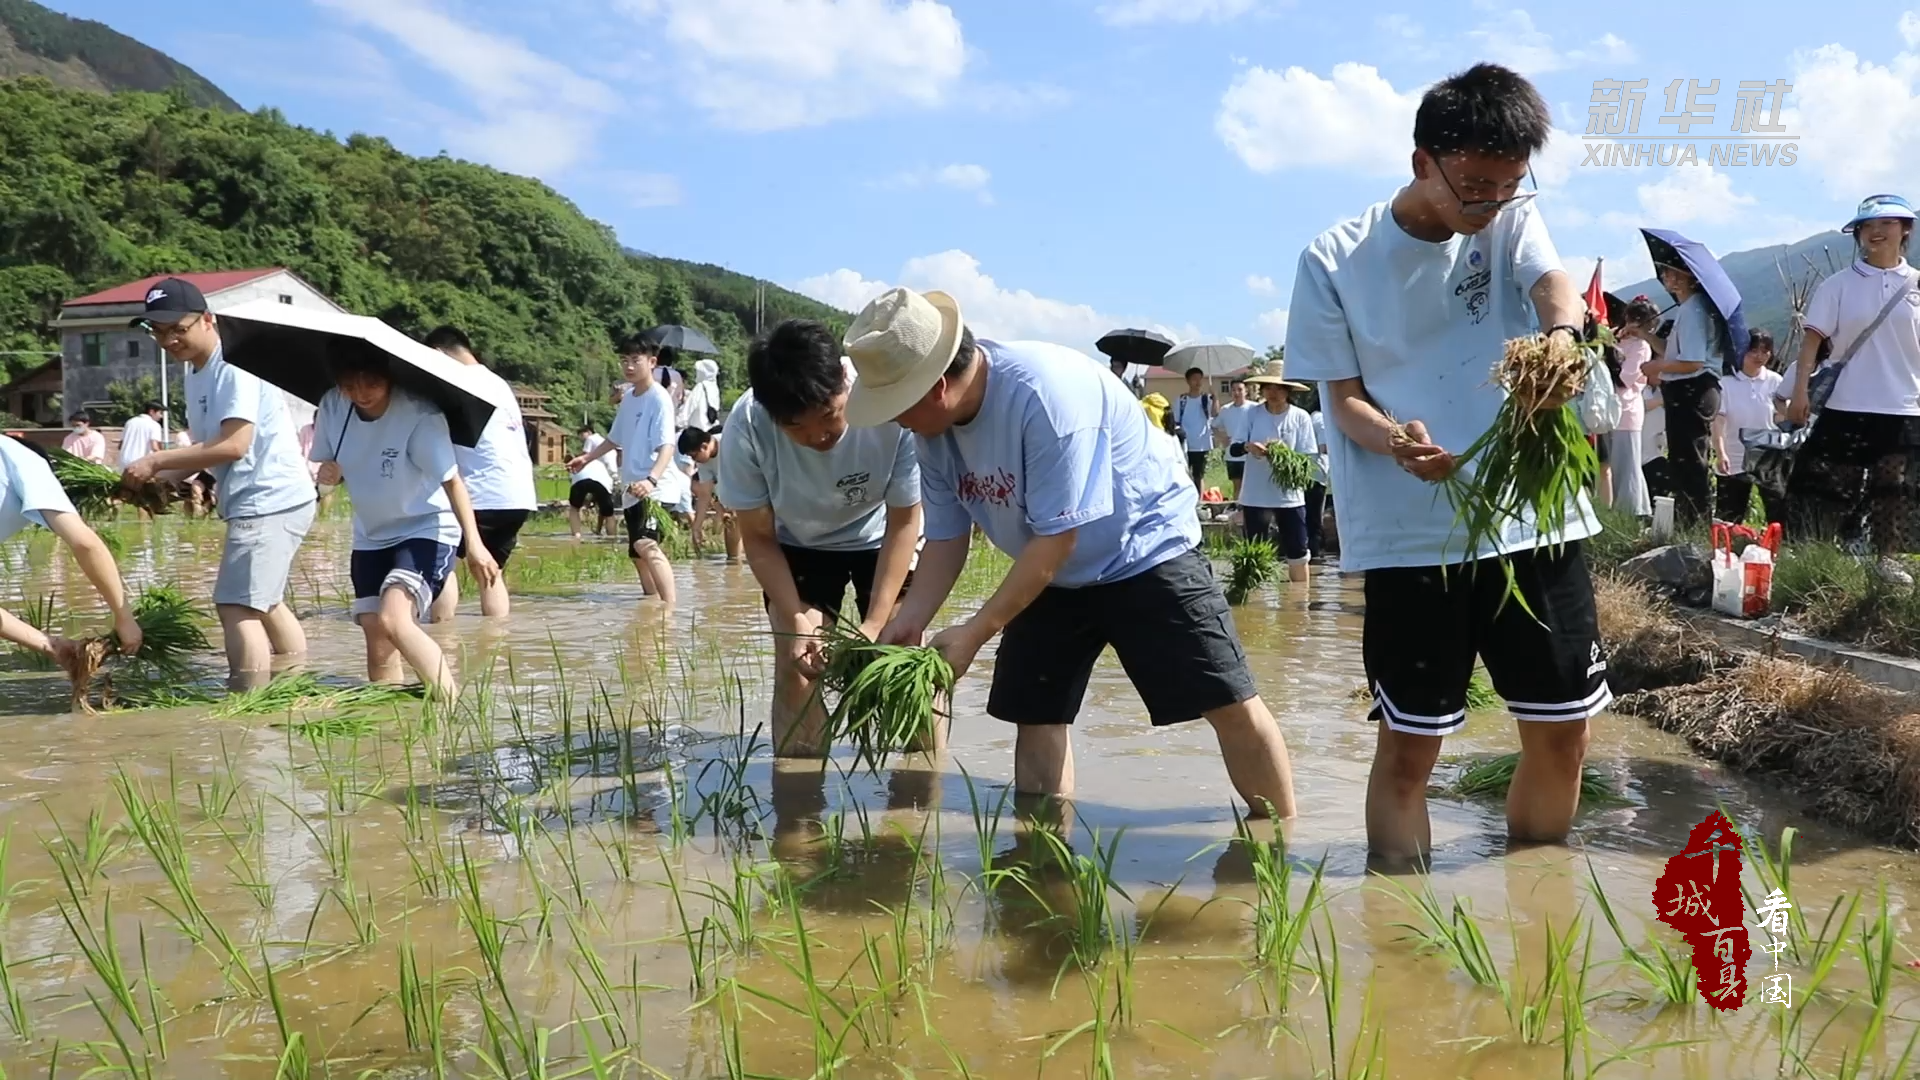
column 1193, row 415
column 498, row 470
column 1748, row 399
column 1863, row 441
column 1400, row 313
column 643, row 432
column 1232, row 424
column 142, row 434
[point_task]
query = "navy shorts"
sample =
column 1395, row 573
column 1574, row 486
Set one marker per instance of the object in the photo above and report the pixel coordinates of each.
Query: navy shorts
column 1285, row 527
column 419, row 566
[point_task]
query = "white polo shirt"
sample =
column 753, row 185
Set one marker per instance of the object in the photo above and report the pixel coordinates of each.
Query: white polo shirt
column 1747, row 405
column 1884, row 375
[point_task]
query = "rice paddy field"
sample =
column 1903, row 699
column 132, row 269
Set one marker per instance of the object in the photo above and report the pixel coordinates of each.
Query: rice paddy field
column 591, row 867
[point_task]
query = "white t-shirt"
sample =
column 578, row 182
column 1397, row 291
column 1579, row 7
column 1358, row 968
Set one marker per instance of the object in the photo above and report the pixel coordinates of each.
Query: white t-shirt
column 596, row 470
column 640, row 428
column 1695, row 339
column 393, row 468
column 1884, row 374
column 139, row 437
column 833, row 500
column 1292, row 428
column 1233, row 421
column 271, row 477
column 1190, row 413
column 498, row 471
column 1421, row 324
column 1747, row 404
column 27, row 488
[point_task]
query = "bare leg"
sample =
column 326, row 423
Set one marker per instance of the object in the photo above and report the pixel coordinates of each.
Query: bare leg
column 653, row 560
column 422, row 653
column 494, row 602
column 289, row 638
column 1256, row 756
column 1546, row 784
column 446, row 604
column 1297, row 570
column 249, row 649
column 1043, row 760
column 730, row 532
column 383, row 660
column 573, row 522
column 1397, row 826
column 799, row 715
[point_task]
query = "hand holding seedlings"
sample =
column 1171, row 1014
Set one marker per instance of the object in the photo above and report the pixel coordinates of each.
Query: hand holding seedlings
column 1417, row 454
column 958, row 644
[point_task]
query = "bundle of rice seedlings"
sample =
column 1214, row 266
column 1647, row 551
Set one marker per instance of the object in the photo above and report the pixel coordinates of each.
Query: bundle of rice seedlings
column 888, row 695
column 95, row 489
column 1535, row 459
column 1252, row 563
column 302, row 692
column 170, row 634
column 1291, row 470
column 1489, row 778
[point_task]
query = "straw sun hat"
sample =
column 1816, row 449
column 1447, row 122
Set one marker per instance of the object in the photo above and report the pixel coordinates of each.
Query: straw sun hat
column 900, row 346
column 1271, row 374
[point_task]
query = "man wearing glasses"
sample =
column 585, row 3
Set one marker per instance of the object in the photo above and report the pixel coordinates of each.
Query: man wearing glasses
column 243, row 435
column 1400, row 314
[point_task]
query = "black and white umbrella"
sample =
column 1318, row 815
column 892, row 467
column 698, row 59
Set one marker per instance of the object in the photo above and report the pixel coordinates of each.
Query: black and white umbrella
column 300, row 350
column 1143, row 347
column 681, row 339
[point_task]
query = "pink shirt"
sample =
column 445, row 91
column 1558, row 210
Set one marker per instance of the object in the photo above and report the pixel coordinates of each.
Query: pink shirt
column 90, row 445
column 1633, row 406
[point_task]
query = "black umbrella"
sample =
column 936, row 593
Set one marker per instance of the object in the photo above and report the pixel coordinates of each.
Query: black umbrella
column 1142, row 347
column 1669, row 248
column 300, row 350
column 681, row 339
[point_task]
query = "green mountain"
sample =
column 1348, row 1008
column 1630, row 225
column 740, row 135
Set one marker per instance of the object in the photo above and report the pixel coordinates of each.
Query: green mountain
column 1758, row 274
column 85, row 55
column 99, row 189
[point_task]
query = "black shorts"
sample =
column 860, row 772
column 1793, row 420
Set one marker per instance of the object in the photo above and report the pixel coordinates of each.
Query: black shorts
column 1285, row 527
column 1236, row 470
column 822, row 577
column 1170, row 626
column 499, row 533
column 590, row 491
column 1423, row 630
column 640, row 523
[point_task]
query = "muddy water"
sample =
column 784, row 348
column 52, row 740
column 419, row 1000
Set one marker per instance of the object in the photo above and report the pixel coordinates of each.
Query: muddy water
column 599, row 808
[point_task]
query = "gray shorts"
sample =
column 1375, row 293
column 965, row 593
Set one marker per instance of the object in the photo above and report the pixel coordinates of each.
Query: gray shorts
column 258, row 560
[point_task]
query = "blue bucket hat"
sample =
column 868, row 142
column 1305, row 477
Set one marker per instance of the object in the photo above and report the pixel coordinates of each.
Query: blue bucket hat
column 1880, row 206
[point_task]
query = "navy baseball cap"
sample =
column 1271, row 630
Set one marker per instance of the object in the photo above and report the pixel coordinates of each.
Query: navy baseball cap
column 172, row 300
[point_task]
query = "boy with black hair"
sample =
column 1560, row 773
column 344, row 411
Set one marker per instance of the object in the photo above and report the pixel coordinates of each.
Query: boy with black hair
column 498, row 470
column 821, row 507
column 643, row 433
column 1400, row 313
column 1193, row 417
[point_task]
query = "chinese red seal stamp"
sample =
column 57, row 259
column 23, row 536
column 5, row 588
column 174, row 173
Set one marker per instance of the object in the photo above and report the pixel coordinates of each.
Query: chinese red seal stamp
column 1699, row 895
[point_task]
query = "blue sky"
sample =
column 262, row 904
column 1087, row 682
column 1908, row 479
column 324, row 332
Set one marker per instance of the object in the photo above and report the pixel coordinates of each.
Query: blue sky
column 1061, row 166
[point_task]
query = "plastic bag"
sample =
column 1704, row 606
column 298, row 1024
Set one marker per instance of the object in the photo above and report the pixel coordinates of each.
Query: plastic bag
column 1598, row 403
column 1743, row 584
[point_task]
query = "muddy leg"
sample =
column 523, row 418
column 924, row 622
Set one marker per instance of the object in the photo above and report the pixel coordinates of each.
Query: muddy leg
column 1398, row 831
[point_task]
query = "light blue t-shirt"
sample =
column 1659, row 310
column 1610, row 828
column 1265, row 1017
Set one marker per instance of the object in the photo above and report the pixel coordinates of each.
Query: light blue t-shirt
column 1190, row 412
column 1292, row 428
column 1232, row 422
column 271, row 477
column 1421, row 324
column 393, row 468
column 1695, row 339
column 642, row 425
column 836, row 500
column 27, row 488
column 1060, row 444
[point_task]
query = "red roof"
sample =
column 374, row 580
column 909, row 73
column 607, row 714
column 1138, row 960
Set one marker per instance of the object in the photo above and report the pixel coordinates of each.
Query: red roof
column 134, row 292
column 1158, row 372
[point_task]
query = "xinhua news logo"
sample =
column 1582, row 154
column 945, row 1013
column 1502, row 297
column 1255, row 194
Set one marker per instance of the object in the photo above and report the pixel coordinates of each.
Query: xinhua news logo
column 1756, row 137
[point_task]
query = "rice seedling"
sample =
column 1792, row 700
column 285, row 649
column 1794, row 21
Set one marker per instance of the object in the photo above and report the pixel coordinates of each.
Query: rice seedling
column 304, row 692
column 1290, row 469
column 96, row 490
column 293, row 1063
column 1090, row 926
column 10, row 994
column 889, row 696
column 1280, row 928
column 1774, row 868
column 1669, row 972
column 1535, row 459
column 422, row 1008
column 1327, row 970
column 1454, row 934
column 81, row 860
column 1490, row 777
column 986, row 831
column 1098, row 1029
column 1529, row 1007
column 1251, row 564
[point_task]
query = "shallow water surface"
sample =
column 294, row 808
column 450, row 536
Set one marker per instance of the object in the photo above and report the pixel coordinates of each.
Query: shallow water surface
column 594, row 868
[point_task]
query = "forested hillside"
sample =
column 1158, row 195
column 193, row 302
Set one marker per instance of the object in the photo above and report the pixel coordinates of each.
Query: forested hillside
column 85, row 55
column 98, row 189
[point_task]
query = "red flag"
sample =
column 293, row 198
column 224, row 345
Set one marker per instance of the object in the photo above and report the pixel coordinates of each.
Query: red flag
column 1597, row 295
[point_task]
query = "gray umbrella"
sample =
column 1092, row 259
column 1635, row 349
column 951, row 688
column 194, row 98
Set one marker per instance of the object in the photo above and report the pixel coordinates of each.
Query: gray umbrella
column 681, row 339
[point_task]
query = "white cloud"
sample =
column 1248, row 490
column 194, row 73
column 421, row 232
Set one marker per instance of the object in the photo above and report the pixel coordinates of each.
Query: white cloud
column 1287, row 119
column 991, row 309
column 1910, row 28
column 766, row 65
column 1273, row 324
column 1261, row 285
column 968, row 178
column 648, row 190
column 1143, row 12
column 1511, row 38
column 528, row 114
column 1690, row 193
column 1859, row 122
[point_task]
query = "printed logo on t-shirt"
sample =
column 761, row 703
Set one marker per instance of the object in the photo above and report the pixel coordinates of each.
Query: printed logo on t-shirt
column 853, row 487
column 1475, row 290
column 387, row 458
column 997, row 489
